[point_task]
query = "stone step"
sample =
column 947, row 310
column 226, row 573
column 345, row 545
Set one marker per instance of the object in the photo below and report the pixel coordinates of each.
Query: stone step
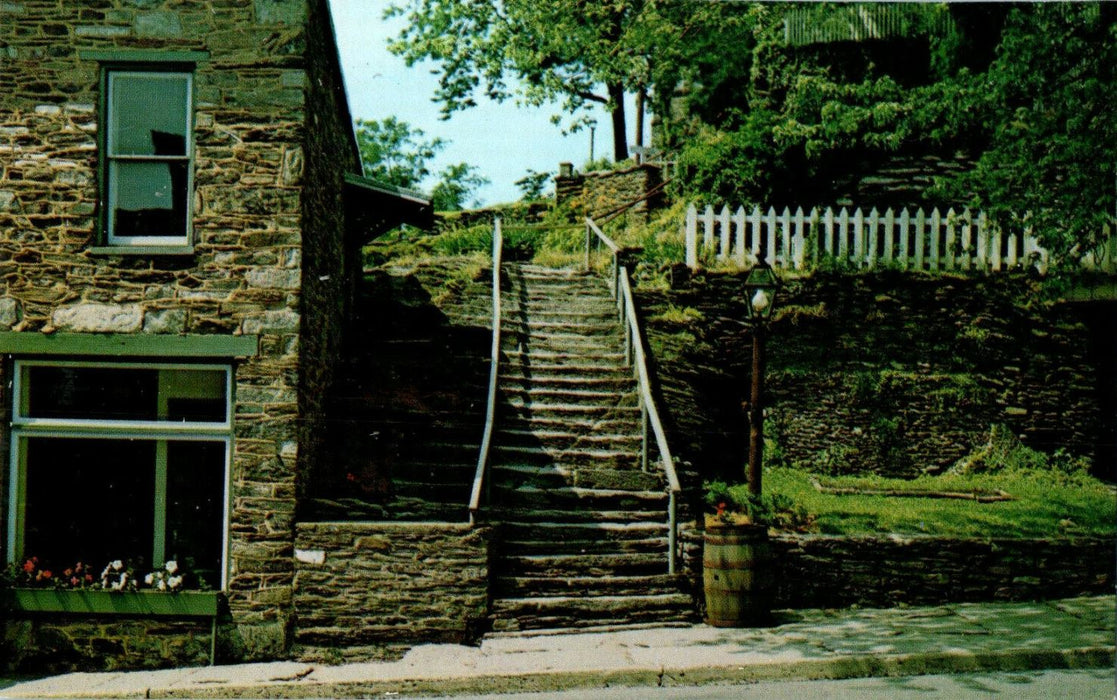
column 563, row 357
column 536, row 398
column 629, row 425
column 559, row 565
column 565, row 439
column 517, row 311
column 536, row 327
column 512, row 515
column 545, row 586
column 539, row 454
column 558, row 533
column 614, row 384
column 570, row 343
column 579, row 611
column 517, row 368
column 587, row 476
column 654, row 545
column 577, row 497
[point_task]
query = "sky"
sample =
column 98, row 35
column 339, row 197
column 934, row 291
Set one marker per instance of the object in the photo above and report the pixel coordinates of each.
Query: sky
column 503, row 140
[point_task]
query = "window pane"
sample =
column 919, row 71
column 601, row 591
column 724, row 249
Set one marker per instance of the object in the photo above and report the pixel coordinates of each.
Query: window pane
column 148, row 113
column 89, row 500
column 125, row 394
column 148, row 199
column 196, row 507
column 99, row 393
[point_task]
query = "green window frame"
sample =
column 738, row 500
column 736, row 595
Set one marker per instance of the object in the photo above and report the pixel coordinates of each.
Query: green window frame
column 147, row 155
column 159, row 430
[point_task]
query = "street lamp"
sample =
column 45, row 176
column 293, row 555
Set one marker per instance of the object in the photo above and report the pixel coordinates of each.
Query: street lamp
column 761, row 286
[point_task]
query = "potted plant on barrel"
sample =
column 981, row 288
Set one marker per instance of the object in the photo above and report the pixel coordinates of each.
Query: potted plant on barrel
column 737, row 557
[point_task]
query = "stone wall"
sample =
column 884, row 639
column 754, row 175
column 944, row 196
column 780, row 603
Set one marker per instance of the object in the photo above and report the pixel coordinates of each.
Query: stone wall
column 59, row 644
column 331, row 253
column 603, row 192
column 389, row 585
column 818, row 571
column 244, row 276
column 890, row 373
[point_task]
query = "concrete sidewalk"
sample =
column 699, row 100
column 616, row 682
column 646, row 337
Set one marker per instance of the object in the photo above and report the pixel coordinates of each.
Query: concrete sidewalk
column 1071, row 633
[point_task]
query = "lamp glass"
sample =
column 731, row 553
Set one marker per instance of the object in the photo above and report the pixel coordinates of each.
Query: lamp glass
column 760, row 292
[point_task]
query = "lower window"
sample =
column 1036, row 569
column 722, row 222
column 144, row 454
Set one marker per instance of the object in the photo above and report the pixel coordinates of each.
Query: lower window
column 125, row 462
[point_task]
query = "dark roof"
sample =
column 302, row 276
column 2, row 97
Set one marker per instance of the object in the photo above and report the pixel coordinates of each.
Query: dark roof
column 374, row 208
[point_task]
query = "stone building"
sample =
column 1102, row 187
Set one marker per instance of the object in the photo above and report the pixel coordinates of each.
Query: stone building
column 180, row 216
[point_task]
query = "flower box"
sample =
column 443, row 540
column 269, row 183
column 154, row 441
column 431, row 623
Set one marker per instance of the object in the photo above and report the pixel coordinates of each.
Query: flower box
column 182, row 604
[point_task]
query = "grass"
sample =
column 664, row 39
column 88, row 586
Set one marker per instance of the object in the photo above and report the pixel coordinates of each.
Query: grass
column 1043, row 505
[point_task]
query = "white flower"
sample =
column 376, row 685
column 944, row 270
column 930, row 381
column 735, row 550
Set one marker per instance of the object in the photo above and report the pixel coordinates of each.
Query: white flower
column 117, row 565
column 149, row 579
column 172, row 566
column 174, row 582
column 162, row 585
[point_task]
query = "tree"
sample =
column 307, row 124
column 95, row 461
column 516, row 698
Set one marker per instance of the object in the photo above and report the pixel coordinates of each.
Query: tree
column 395, row 153
column 1035, row 113
column 575, row 51
column 455, row 185
column 1049, row 99
column 533, row 185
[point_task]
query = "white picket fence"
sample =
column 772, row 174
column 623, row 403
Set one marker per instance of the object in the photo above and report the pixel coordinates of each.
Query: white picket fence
column 908, row 240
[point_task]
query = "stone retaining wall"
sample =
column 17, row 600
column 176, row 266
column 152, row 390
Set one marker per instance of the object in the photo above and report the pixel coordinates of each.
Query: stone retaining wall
column 888, row 373
column 600, row 193
column 818, row 571
column 390, row 584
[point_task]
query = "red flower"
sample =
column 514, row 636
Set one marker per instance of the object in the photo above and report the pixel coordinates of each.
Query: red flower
column 74, row 581
column 28, row 566
column 721, row 508
column 89, row 578
column 45, row 574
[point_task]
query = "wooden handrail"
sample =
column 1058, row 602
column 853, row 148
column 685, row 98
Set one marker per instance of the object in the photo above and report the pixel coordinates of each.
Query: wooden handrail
column 494, row 362
column 626, row 306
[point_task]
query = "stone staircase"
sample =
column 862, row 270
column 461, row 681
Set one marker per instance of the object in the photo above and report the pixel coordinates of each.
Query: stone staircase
column 584, row 535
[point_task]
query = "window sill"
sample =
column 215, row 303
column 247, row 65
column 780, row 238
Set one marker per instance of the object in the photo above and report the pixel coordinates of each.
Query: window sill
column 143, row 250
column 152, row 603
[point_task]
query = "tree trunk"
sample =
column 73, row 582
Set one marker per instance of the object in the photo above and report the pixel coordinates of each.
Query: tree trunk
column 620, row 138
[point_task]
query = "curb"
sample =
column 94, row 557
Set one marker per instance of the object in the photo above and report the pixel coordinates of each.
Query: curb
column 846, row 667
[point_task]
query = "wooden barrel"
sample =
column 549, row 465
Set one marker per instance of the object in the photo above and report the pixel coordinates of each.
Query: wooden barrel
column 737, row 576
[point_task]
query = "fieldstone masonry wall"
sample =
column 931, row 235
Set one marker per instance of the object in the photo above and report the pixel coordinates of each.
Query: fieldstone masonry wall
column 390, row 584
column 817, row 571
column 244, row 276
column 600, row 193
column 61, row 644
column 887, row 373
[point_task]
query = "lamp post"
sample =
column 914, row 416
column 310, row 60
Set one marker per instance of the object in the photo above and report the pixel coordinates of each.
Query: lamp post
column 761, row 286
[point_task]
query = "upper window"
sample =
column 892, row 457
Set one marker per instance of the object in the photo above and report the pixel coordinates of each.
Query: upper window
column 148, row 157
column 121, row 461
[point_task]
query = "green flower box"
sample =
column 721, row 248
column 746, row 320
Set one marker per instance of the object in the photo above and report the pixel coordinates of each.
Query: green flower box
column 182, row 604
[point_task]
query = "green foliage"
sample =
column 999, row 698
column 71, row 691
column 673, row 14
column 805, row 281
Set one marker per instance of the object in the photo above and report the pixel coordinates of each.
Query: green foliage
column 394, row 153
column 456, row 184
column 1005, row 454
column 678, row 315
column 533, row 185
column 772, row 509
column 1029, row 90
column 550, row 50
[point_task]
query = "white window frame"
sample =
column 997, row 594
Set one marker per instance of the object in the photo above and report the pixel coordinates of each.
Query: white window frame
column 160, row 432
column 112, row 158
